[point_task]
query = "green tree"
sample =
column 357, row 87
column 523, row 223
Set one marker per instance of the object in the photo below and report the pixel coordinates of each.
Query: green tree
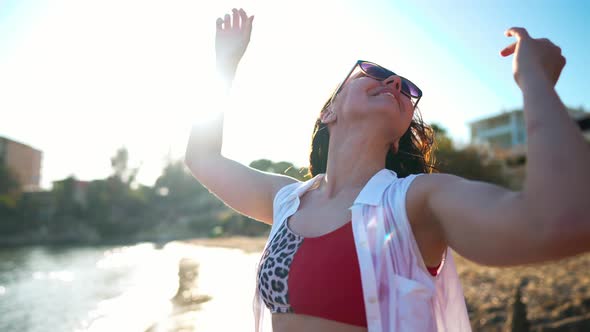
column 470, row 162
column 281, row 167
column 9, row 198
column 177, row 183
column 65, row 200
column 117, row 206
column 9, row 188
column 99, row 201
column 263, row 165
column 119, row 162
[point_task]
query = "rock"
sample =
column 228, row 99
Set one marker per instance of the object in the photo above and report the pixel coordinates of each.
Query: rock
column 186, row 301
column 552, row 292
column 187, row 293
column 572, row 324
column 517, row 318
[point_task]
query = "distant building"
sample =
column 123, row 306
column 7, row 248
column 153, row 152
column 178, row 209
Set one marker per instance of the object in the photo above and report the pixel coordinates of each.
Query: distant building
column 24, row 160
column 506, row 132
column 505, row 136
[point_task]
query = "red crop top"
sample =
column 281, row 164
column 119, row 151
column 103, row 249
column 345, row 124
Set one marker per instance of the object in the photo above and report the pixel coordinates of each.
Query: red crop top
column 315, row 276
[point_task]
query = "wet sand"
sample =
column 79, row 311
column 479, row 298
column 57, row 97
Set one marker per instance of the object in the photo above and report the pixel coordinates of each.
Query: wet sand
column 211, row 283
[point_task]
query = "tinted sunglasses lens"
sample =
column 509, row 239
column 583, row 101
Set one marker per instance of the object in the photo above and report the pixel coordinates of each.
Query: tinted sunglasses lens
column 381, row 73
column 375, row 71
column 410, row 88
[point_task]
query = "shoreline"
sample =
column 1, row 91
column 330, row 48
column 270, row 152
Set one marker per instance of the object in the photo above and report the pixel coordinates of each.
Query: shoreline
column 245, row 243
column 555, row 295
column 187, row 303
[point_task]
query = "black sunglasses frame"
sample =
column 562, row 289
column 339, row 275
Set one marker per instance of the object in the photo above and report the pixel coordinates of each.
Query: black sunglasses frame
column 390, row 73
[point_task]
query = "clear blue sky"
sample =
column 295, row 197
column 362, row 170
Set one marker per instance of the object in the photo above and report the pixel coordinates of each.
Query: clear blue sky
column 79, row 79
column 471, row 29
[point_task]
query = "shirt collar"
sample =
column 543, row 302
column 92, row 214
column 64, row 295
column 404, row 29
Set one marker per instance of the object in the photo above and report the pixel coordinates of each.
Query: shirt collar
column 372, row 193
column 303, row 187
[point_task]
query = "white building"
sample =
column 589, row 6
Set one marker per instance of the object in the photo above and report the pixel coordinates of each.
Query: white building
column 506, row 131
column 505, row 136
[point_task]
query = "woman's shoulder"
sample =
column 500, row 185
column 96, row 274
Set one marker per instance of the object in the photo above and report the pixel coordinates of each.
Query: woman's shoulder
column 418, row 192
column 423, row 223
column 424, row 183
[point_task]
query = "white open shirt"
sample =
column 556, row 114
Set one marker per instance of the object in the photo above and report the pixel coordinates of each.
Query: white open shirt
column 399, row 292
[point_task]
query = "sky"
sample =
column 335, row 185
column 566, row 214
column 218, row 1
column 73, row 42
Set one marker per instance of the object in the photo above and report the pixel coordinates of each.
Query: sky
column 80, row 79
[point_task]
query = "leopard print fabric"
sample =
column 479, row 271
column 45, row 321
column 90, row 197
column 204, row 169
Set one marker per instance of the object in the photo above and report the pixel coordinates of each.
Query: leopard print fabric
column 274, row 269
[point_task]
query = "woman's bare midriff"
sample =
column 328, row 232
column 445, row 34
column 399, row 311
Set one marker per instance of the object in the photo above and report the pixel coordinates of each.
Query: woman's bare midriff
column 295, row 322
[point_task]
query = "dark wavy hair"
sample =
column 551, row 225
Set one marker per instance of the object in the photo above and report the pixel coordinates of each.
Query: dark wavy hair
column 415, row 153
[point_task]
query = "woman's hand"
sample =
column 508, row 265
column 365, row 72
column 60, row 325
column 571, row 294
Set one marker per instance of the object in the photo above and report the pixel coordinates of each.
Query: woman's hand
column 231, row 40
column 533, row 57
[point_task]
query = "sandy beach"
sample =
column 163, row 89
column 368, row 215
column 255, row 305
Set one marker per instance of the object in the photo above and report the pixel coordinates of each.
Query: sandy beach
column 553, row 297
column 214, row 277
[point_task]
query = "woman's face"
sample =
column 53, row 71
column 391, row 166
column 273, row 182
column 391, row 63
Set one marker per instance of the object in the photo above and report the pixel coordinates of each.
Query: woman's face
column 378, row 104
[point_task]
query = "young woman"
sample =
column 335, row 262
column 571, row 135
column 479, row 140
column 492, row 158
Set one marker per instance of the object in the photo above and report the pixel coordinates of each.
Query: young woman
column 363, row 245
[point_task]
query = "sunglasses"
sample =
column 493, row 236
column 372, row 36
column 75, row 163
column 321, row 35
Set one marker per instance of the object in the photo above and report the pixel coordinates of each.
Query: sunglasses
column 379, row 73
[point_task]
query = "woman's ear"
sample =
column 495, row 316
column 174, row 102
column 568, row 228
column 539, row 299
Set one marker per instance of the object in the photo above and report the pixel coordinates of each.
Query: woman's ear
column 328, row 115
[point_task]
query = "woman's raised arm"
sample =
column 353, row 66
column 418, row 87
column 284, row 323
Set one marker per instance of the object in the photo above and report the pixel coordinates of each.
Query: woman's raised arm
column 243, row 188
column 549, row 218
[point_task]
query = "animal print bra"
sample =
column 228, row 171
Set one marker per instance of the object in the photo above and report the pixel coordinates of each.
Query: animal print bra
column 315, row 276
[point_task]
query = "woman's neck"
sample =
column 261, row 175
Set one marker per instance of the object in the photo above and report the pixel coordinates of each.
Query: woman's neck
column 352, row 162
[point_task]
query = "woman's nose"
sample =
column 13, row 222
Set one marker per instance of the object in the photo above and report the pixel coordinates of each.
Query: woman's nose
column 395, row 81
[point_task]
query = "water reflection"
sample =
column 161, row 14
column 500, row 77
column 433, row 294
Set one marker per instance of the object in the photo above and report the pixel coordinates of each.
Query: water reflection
column 121, row 288
column 61, row 289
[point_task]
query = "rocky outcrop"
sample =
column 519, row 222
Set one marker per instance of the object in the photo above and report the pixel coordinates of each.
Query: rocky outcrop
column 517, row 318
column 186, row 301
column 572, row 324
column 541, row 297
column 187, row 296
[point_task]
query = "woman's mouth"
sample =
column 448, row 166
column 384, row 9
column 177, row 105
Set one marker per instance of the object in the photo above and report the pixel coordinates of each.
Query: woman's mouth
column 383, row 91
column 387, row 94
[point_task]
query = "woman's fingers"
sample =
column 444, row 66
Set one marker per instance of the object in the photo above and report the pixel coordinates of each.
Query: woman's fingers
column 533, row 55
column 243, row 16
column 248, row 30
column 236, row 19
column 226, row 22
column 508, row 50
column 239, row 20
column 560, row 67
column 232, row 39
column 519, row 33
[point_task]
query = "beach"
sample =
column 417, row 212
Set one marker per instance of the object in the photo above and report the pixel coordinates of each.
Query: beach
column 553, row 297
column 215, row 286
